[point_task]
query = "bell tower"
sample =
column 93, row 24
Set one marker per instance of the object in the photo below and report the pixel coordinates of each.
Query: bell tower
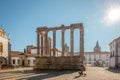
column 97, row 47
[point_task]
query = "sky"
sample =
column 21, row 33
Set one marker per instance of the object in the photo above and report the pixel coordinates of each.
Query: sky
column 100, row 18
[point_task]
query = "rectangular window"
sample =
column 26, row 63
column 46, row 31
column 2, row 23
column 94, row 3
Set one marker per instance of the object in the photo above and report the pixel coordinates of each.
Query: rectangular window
column 28, row 61
column 13, row 61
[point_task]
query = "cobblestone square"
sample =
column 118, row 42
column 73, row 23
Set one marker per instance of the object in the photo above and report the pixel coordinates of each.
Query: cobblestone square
column 93, row 73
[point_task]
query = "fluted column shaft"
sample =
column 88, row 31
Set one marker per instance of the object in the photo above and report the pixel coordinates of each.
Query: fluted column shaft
column 41, row 44
column 72, row 41
column 54, row 41
column 50, row 48
column 63, row 48
column 38, row 44
column 46, row 43
column 81, row 42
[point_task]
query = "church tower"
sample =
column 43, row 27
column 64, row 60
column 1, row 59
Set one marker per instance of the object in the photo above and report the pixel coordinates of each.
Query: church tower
column 97, row 47
column 4, row 48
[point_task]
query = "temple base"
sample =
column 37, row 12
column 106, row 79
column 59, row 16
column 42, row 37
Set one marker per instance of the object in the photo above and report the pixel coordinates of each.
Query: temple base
column 60, row 63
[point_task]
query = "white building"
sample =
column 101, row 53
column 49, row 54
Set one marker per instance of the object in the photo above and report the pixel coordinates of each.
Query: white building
column 22, row 59
column 4, row 48
column 97, row 57
column 115, row 53
column 28, row 59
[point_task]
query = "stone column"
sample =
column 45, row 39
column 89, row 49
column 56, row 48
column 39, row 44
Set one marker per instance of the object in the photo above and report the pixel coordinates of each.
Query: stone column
column 54, row 41
column 50, row 47
column 41, row 44
column 38, row 44
column 46, row 43
column 63, row 48
column 81, row 41
column 71, row 41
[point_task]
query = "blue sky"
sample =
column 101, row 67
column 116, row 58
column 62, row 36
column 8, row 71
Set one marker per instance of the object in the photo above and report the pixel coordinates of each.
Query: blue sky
column 20, row 18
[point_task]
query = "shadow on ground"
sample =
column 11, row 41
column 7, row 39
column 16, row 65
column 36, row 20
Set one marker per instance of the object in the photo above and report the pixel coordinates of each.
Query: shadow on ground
column 30, row 74
column 114, row 70
column 40, row 75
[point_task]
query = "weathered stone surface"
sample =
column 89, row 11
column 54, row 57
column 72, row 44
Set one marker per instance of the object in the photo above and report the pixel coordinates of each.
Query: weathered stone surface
column 63, row 62
column 60, row 63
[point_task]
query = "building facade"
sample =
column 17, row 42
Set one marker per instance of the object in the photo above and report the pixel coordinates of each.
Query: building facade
column 29, row 58
column 115, row 53
column 4, row 48
column 97, row 57
column 22, row 59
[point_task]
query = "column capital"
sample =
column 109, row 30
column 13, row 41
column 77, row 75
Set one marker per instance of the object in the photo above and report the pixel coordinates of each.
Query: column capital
column 42, row 33
column 71, row 28
column 46, row 30
column 54, row 30
column 62, row 27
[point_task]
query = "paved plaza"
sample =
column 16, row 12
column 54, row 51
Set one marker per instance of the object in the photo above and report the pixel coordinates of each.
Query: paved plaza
column 93, row 73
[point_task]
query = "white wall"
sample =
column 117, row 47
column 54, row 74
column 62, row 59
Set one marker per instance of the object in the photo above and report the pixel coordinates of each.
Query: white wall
column 113, row 51
column 99, row 57
column 119, row 61
column 112, row 62
column 119, row 51
column 113, row 48
column 16, row 61
column 34, row 51
column 5, row 46
column 31, row 60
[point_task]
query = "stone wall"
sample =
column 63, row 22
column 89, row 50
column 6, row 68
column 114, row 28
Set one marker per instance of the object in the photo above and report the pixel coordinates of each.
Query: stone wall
column 60, row 63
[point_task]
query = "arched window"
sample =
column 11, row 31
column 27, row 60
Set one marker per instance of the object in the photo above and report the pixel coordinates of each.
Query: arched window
column 1, row 47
